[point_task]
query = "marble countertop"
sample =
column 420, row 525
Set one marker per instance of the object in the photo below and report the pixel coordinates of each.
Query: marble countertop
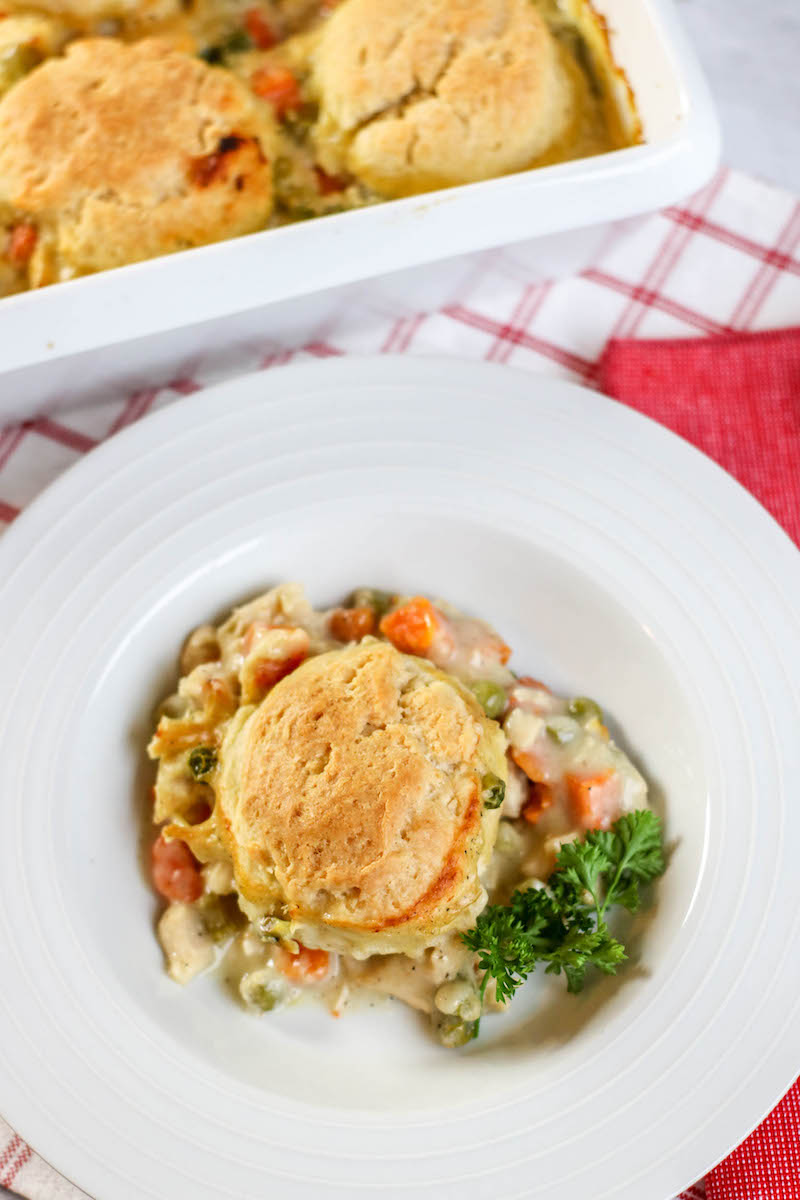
column 750, row 50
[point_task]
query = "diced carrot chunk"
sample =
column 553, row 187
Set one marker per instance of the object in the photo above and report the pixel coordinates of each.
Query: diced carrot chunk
column 307, row 966
column 352, row 624
column 530, row 764
column 594, row 799
column 279, row 87
column 253, row 633
column 175, row 870
column 328, row 184
column 259, row 28
column 517, row 698
column 21, row 243
column 271, row 670
column 413, row 627
column 503, row 651
column 540, row 798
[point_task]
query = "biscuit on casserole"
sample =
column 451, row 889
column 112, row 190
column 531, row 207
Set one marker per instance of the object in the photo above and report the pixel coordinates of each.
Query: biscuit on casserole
column 350, row 801
column 431, row 93
column 137, row 12
column 117, row 153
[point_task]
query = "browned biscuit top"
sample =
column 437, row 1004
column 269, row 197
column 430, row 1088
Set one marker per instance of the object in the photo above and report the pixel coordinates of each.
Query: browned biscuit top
column 119, row 152
column 437, row 92
column 357, row 783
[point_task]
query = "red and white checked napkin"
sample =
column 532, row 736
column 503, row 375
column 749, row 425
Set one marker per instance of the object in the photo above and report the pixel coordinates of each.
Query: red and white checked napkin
column 705, row 275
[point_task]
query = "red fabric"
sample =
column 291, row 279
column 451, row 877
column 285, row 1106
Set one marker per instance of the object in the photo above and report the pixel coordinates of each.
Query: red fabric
column 736, row 397
column 767, row 1164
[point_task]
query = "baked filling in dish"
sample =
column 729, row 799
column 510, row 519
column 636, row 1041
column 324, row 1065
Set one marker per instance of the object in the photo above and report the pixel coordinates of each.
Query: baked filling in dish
column 134, row 128
column 367, row 799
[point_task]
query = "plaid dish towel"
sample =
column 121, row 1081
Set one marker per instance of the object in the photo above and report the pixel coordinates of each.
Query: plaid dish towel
column 663, row 320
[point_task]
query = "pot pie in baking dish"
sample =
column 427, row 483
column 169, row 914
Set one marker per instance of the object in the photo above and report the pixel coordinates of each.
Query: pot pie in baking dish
column 367, row 800
column 134, row 128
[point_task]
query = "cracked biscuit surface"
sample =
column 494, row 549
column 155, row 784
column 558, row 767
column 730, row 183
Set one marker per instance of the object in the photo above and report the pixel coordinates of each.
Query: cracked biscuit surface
column 119, row 152
column 437, row 92
column 352, row 795
column 141, row 12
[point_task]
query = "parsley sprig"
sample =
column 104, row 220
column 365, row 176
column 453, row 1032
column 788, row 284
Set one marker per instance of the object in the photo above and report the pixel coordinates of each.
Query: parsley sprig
column 563, row 924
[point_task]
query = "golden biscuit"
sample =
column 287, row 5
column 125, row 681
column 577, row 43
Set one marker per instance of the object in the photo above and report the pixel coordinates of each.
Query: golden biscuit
column 350, row 801
column 121, row 152
column 138, row 12
column 436, row 92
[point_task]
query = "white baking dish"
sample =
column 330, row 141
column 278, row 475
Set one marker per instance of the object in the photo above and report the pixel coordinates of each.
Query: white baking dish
column 130, row 325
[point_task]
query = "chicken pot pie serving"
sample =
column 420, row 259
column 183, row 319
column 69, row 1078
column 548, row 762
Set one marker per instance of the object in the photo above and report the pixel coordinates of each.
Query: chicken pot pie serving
column 134, row 129
column 368, row 800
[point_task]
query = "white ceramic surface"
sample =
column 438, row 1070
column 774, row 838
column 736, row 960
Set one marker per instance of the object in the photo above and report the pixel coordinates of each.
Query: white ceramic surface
column 58, row 338
column 618, row 561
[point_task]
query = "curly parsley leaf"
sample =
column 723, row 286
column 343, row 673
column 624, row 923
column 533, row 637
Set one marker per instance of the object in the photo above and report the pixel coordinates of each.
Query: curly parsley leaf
column 582, row 949
column 637, row 854
column 584, row 864
column 563, row 925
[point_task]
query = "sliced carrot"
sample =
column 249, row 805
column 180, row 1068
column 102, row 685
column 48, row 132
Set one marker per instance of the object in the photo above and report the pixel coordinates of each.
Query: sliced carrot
column 530, row 682
column 279, row 87
column 307, row 966
column 413, row 627
column 530, row 764
column 540, row 798
column 352, row 624
column 175, row 870
column 21, row 243
column 594, row 798
column 259, row 28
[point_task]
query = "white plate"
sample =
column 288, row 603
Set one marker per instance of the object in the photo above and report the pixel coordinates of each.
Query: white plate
column 616, row 560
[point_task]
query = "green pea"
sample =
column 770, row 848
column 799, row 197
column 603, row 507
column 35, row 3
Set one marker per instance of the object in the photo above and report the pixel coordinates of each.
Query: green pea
column 301, row 212
column 562, row 735
column 263, row 997
column 221, row 917
column 202, row 761
column 15, row 63
column 211, row 54
column 491, row 697
column 453, row 1031
column 493, row 791
column 283, row 168
column 298, row 121
column 236, row 43
column 583, row 708
column 366, row 597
